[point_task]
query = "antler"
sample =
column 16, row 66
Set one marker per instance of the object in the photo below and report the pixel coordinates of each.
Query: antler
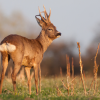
column 47, row 17
column 45, row 13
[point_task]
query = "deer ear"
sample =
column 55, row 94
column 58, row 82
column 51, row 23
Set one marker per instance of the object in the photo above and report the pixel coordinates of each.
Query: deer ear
column 39, row 21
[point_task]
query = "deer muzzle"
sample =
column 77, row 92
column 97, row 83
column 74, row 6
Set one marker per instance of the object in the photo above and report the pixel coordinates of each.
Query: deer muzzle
column 58, row 34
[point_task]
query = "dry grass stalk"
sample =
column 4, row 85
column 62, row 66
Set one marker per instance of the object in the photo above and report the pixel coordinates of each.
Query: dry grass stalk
column 97, row 85
column 81, row 68
column 68, row 66
column 91, row 85
column 80, row 82
column 58, row 90
column 72, row 68
column 84, row 77
column 65, row 87
column 72, row 80
column 95, row 70
column 68, row 85
column 61, row 71
column 72, row 88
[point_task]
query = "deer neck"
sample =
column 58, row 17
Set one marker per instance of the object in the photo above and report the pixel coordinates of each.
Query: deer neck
column 44, row 40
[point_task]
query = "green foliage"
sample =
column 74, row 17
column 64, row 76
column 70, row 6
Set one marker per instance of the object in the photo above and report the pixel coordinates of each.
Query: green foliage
column 49, row 91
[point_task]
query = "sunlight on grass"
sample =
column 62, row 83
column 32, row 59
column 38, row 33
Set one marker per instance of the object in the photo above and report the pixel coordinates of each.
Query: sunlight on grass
column 49, row 90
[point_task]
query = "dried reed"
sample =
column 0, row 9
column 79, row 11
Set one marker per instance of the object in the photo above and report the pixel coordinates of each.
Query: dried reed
column 72, row 88
column 60, row 71
column 68, row 66
column 65, row 86
column 72, row 68
column 68, row 84
column 91, row 85
column 84, row 77
column 72, row 80
column 58, row 90
column 72, row 85
column 81, row 68
column 95, row 70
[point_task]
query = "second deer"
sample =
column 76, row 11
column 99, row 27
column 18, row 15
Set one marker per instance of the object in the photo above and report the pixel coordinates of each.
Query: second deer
column 27, row 52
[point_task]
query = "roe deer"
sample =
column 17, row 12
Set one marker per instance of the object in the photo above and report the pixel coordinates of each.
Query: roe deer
column 28, row 52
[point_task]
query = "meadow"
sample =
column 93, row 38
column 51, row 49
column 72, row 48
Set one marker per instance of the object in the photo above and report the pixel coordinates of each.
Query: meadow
column 53, row 88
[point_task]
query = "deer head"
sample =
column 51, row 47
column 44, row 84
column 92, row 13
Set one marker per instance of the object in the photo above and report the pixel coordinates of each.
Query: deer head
column 50, row 30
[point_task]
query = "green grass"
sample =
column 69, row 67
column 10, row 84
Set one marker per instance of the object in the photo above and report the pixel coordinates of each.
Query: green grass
column 48, row 90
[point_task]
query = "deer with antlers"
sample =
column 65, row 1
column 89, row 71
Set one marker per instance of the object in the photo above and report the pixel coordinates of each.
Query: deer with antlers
column 27, row 52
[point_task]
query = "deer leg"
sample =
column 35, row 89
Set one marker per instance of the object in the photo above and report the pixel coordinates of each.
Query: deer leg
column 40, row 78
column 4, row 65
column 36, row 78
column 14, row 73
column 27, row 70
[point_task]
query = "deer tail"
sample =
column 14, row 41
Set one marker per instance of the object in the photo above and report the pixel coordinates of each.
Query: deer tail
column 8, row 47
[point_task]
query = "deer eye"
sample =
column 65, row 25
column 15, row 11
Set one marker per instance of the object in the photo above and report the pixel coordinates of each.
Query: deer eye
column 50, row 29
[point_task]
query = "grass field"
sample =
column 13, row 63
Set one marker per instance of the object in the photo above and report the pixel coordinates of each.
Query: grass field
column 52, row 89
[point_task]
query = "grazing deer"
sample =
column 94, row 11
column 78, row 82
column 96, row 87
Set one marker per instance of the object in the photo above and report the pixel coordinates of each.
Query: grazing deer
column 28, row 52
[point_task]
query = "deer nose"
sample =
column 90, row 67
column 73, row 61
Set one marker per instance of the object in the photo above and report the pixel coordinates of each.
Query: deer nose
column 58, row 34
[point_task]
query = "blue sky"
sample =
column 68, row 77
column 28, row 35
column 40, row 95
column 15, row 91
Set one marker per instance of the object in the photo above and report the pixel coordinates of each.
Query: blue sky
column 75, row 19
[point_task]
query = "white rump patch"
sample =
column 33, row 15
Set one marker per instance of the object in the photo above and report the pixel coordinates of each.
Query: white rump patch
column 3, row 47
column 7, row 47
column 10, row 47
